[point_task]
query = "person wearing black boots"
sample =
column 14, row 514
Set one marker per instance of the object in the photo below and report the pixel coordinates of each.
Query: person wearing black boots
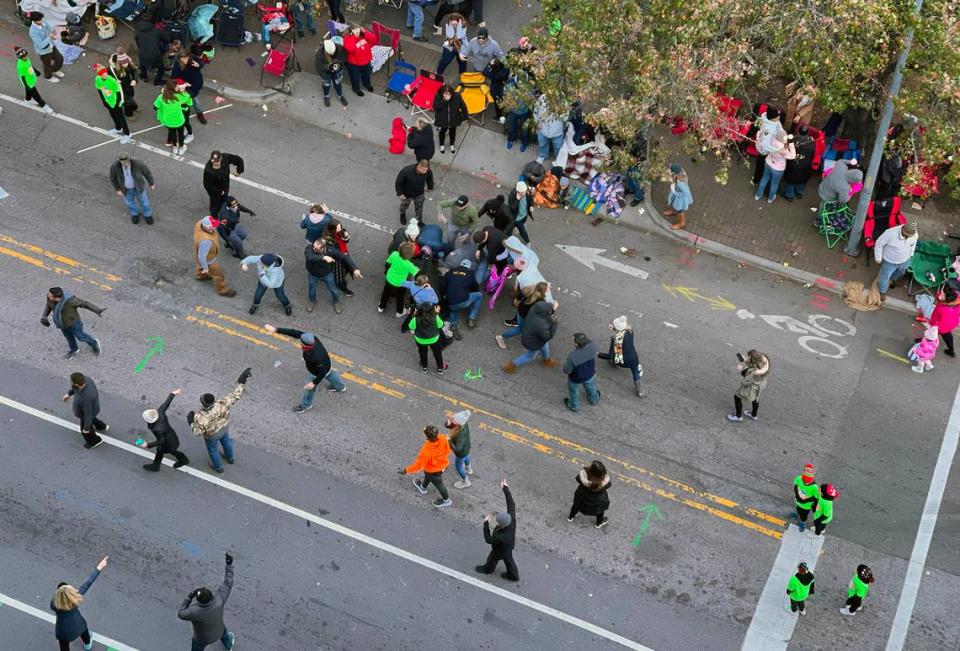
column 167, row 441
column 502, row 538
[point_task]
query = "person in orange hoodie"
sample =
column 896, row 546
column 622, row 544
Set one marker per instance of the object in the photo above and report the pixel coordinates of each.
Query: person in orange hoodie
column 432, row 459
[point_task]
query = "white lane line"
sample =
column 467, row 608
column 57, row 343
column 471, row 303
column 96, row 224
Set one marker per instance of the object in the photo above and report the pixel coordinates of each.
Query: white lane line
column 198, row 165
column 137, row 133
column 109, row 642
column 349, row 533
column 772, row 625
column 928, row 522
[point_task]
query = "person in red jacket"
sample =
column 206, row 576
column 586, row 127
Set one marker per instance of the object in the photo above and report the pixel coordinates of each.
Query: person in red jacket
column 432, row 460
column 359, row 46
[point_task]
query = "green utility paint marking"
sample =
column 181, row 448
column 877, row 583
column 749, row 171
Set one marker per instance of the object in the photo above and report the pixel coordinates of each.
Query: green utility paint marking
column 469, row 374
column 155, row 349
column 649, row 511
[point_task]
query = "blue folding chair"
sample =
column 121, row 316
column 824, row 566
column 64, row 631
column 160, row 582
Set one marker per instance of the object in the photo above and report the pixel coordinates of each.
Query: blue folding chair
column 403, row 75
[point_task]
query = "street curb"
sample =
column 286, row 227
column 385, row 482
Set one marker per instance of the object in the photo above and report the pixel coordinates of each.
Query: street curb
column 266, row 95
column 662, row 227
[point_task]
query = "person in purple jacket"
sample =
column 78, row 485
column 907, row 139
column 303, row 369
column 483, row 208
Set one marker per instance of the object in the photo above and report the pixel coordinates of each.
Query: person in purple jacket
column 65, row 604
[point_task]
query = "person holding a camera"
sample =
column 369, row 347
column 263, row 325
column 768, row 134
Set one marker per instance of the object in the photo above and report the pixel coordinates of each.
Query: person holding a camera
column 755, row 369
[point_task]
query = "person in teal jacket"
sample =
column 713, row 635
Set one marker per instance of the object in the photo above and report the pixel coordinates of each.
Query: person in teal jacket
column 399, row 268
column 27, row 75
column 169, row 106
column 112, row 96
column 425, row 326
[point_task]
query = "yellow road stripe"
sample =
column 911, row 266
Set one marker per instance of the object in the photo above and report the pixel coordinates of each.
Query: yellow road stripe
column 665, row 494
column 56, row 257
column 373, row 385
column 57, row 270
column 588, row 452
column 892, row 356
column 229, row 331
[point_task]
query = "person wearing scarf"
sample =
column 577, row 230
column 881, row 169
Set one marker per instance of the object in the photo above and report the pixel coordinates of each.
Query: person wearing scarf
column 64, row 305
column 622, row 352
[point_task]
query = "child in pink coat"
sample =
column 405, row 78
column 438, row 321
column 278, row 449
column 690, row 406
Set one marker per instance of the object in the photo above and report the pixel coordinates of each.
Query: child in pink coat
column 924, row 351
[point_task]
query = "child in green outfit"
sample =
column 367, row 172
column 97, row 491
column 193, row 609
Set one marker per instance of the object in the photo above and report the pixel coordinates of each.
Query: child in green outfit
column 399, row 268
column 27, row 75
column 799, row 588
column 169, row 105
column 857, row 590
column 425, row 326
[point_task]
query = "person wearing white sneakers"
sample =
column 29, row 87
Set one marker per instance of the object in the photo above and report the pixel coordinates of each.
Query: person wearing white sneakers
column 65, row 604
column 42, row 35
column 857, row 590
column 27, row 75
column 460, row 445
column 111, row 94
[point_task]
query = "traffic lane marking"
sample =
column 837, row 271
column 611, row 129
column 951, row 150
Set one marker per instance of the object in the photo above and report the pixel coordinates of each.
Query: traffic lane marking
column 36, row 262
column 109, row 642
column 56, row 257
column 680, row 499
column 137, row 133
column 344, row 531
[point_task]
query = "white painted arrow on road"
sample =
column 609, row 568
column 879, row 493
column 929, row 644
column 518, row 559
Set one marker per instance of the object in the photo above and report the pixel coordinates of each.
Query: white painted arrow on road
column 590, row 257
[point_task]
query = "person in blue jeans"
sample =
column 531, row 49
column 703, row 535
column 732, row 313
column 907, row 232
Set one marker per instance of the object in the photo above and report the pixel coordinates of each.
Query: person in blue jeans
column 321, row 256
column 63, row 306
column 459, row 438
column 774, row 166
column 130, row 179
column 539, row 327
column 415, row 18
column 580, row 368
column 271, row 276
column 527, row 298
column 460, row 290
column 317, row 361
column 893, row 251
column 212, row 422
column 303, row 17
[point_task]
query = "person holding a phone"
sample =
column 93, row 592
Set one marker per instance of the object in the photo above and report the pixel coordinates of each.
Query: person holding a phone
column 755, row 369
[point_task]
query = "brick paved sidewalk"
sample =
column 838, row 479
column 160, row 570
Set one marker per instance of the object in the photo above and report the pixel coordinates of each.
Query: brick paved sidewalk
column 783, row 232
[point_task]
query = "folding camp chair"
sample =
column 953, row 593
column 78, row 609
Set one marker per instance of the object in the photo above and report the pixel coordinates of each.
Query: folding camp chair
column 396, row 4
column 421, row 93
column 476, row 95
column 882, row 214
column 403, row 75
column 834, row 222
column 281, row 62
column 392, row 40
column 930, row 267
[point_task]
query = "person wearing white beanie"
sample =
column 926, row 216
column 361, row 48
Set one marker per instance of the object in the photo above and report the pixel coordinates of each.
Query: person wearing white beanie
column 167, row 441
column 330, row 62
column 622, row 352
column 460, row 444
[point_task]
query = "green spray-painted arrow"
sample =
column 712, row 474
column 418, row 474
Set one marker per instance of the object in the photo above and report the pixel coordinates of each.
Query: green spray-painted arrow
column 155, row 349
column 468, row 374
column 649, row 511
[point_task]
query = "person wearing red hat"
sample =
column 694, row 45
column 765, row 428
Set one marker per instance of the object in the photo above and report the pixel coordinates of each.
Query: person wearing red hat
column 111, row 94
column 823, row 513
column 206, row 245
column 805, row 494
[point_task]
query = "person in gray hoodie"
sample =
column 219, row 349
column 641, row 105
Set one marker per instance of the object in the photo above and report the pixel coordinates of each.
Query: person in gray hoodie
column 271, row 276
column 86, row 407
column 581, row 370
column 838, row 185
column 480, row 51
column 539, row 327
column 206, row 614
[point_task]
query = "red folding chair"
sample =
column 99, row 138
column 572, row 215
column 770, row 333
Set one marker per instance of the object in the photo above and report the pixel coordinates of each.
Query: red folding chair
column 392, row 40
column 421, row 93
column 281, row 62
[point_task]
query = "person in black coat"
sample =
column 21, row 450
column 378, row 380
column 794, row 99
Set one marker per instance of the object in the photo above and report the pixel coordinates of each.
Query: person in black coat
column 449, row 111
column 216, row 178
column 317, row 360
column 187, row 67
column 800, row 168
column 622, row 352
column 498, row 210
column 410, row 185
column 151, row 44
column 70, row 624
column 420, row 140
column 497, row 74
column 502, row 538
column 591, row 496
column 167, row 441
column 86, row 407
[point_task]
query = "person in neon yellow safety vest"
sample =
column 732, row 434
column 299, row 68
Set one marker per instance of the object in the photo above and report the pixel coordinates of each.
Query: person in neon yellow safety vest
column 805, row 494
column 857, row 590
column 823, row 514
column 799, row 588
column 111, row 94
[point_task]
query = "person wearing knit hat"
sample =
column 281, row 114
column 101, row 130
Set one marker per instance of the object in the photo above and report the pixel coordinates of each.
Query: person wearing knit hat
column 181, row 87
column 27, row 75
column 893, row 251
column 122, row 68
column 463, row 218
column 167, row 441
column 330, row 62
column 857, row 590
column 923, row 352
column 805, row 495
column 823, row 513
column 318, row 363
column 680, row 198
column 213, row 420
column 111, row 94
column 502, row 538
column 206, row 246
column 520, row 207
column 216, row 177
column 41, row 34
column 623, row 353
column 270, row 275
column 460, row 445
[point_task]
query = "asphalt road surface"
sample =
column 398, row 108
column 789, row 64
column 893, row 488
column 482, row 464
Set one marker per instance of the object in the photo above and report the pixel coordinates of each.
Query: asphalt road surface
column 839, row 397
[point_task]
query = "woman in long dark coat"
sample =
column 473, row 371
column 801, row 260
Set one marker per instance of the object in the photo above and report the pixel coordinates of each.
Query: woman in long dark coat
column 591, row 496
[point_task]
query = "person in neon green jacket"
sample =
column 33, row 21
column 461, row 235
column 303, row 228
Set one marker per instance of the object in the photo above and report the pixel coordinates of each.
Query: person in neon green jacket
column 187, row 101
column 169, row 105
column 399, row 268
column 823, row 513
column 111, row 94
column 799, row 588
column 805, row 495
column 857, row 590
column 425, row 326
column 27, row 75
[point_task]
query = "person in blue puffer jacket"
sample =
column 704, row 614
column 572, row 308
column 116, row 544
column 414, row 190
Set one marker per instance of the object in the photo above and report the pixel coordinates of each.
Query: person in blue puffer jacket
column 271, row 276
